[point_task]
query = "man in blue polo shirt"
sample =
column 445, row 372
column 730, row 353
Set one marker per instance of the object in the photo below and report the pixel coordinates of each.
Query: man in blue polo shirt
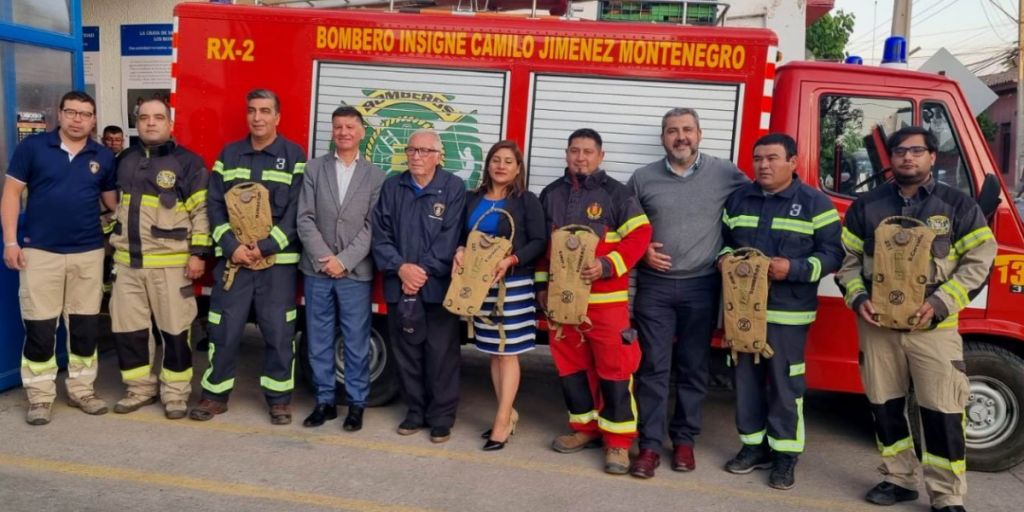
column 59, row 253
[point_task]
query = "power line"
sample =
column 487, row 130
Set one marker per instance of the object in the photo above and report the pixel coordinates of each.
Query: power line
column 931, row 11
column 934, row 9
column 1000, row 7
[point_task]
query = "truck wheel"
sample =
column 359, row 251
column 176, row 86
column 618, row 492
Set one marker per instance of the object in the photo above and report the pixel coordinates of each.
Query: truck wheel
column 383, row 372
column 995, row 426
column 995, row 430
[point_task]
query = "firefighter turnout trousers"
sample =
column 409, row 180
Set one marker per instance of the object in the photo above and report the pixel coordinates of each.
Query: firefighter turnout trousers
column 272, row 291
column 596, row 367
column 53, row 286
column 933, row 360
column 770, row 394
column 168, row 296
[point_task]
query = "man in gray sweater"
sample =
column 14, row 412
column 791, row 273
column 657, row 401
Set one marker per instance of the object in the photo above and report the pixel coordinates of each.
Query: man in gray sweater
column 678, row 287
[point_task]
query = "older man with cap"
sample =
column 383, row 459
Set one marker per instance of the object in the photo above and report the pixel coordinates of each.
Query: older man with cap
column 416, row 227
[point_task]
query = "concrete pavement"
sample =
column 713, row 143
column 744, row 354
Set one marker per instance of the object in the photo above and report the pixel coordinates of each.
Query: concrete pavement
column 239, row 461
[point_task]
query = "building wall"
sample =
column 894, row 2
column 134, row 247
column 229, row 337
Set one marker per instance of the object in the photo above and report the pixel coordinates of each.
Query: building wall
column 1004, row 111
column 109, row 15
column 787, row 18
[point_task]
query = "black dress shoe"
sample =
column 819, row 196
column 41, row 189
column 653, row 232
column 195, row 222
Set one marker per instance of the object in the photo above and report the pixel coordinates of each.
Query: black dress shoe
column 440, row 434
column 321, row 413
column 887, row 493
column 486, row 434
column 354, row 419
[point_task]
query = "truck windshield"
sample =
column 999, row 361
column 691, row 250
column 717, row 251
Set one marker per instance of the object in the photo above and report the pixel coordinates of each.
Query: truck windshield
column 852, row 132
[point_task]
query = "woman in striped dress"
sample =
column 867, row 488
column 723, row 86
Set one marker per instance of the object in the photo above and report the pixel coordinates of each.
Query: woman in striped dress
column 504, row 186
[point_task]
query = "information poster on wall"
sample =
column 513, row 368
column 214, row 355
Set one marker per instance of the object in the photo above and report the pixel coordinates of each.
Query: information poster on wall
column 30, row 123
column 91, row 57
column 145, row 69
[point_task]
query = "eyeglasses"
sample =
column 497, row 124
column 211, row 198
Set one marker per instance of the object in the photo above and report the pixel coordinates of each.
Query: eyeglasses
column 71, row 113
column 913, row 150
column 420, row 151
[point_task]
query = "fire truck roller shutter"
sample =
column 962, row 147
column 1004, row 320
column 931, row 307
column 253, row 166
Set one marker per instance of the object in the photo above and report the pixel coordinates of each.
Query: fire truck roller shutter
column 466, row 108
column 627, row 114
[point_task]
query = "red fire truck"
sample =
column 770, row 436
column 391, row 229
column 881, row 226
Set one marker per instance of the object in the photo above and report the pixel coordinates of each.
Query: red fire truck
column 479, row 78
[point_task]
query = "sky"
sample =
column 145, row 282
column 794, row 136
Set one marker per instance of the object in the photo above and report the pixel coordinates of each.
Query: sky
column 977, row 32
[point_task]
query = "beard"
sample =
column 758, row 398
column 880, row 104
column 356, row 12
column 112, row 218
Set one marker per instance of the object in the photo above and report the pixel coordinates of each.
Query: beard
column 681, row 153
column 914, row 179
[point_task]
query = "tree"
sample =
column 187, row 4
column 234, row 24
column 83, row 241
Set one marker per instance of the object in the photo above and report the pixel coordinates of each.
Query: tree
column 827, row 37
column 989, row 128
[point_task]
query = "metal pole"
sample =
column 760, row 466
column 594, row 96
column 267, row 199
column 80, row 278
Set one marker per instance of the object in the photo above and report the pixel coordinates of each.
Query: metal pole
column 874, row 38
column 1019, row 171
column 901, row 19
column 533, row 13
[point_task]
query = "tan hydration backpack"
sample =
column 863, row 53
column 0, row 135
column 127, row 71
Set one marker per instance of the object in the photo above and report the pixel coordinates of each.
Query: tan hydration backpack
column 249, row 213
column 472, row 280
column 901, row 262
column 573, row 247
column 745, row 294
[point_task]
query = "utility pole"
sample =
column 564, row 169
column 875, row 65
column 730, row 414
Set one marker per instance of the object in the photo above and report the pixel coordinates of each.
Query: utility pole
column 1019, row 171
column 901, row 19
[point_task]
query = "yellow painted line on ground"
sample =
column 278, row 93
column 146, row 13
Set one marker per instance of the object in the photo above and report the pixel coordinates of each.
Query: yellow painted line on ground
column 760, row 495
column 204, row 484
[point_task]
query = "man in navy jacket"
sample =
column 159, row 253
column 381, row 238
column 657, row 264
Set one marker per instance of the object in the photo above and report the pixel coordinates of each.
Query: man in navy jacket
column 416, row 228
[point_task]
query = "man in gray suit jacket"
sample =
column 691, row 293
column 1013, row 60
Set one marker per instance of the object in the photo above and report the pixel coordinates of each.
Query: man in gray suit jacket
column 338, row 196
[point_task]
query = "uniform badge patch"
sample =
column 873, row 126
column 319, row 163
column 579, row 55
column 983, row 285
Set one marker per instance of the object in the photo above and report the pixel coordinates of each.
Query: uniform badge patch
column 438, row 209
column 939, row 224
column 594, row 211
column 165, row 179
column 94, row 166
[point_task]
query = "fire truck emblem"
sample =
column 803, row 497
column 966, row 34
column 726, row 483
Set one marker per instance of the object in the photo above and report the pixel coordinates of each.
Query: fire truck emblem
column 165, row 179
column 594, row 211
column 393, row 116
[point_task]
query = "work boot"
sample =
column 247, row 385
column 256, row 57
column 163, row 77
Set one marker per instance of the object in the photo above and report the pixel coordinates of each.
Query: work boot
column 91, row 404
column 207, row 409
column 749, row 458
column 38, row 413
column 280, row 414
column 576, row 441
column 133, row 402
column 887, row 493
column 783, row 472
column 175, row 409
column 616, row 461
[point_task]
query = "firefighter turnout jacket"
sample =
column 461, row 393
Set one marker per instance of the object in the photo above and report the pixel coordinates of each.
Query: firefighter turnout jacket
column 161, row 219
column 280, row 168
column 799, row 224
column 961, row 254
column 615, row 215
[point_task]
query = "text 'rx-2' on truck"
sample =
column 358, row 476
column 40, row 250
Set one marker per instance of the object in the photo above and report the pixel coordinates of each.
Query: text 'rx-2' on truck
column 482, row 77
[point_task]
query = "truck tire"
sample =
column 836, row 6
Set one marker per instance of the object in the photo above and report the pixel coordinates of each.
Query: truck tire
column 995, row 425
column 383, row 372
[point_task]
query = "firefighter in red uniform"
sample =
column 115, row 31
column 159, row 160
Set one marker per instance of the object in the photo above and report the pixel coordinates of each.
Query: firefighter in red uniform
column 596, row 363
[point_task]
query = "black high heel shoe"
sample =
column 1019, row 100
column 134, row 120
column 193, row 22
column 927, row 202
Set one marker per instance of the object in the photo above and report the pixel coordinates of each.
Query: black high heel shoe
column 492, row 445
column 487, row 433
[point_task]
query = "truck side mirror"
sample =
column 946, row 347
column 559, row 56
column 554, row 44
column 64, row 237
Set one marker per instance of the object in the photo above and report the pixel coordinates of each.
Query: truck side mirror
column 988, row 198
